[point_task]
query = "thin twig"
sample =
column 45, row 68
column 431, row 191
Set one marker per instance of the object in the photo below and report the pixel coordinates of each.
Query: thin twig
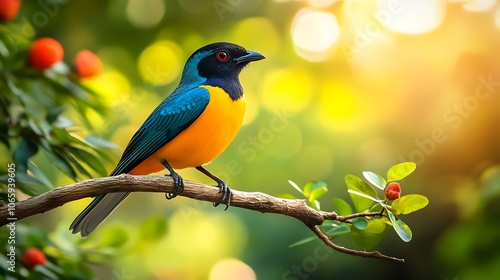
column 366, row 254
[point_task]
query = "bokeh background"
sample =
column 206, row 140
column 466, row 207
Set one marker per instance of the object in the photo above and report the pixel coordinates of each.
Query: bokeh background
column 347, row 86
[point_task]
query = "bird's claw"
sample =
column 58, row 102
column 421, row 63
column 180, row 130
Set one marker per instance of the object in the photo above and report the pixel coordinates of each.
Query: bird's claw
column 226, row 195
column 178, row 185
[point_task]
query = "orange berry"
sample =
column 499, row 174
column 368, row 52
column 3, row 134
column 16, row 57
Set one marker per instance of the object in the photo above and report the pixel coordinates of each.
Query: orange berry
column 33, row 257
column 393, row 190
column 87, row 64
column 45, row 52
column 9, row 9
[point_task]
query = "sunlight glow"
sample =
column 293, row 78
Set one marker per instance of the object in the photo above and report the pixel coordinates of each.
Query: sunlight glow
column 497, row 18
column 314, row 33
column 229, row 269
column 413, row 17
column 321, row 3
column 479, row 5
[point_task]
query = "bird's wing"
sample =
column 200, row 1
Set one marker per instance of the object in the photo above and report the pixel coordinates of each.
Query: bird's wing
column 172, row 116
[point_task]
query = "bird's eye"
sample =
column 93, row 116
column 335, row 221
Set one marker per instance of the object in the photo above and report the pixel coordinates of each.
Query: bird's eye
column 222, row 56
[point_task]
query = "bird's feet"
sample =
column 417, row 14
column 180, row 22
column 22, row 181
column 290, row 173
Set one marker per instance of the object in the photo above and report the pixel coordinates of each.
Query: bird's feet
column 178, row 181
column 223, row 188
column 178, row 185
column 226, row 194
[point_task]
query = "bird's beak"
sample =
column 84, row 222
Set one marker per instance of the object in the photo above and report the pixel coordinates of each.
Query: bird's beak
column 250, row 56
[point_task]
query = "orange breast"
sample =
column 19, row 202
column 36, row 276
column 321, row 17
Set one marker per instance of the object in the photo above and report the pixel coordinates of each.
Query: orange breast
column 204, row 139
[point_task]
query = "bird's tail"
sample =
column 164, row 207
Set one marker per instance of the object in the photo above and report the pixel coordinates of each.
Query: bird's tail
column 96, row 212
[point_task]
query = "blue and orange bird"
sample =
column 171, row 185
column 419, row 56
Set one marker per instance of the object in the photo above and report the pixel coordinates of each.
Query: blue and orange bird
column 190, row 128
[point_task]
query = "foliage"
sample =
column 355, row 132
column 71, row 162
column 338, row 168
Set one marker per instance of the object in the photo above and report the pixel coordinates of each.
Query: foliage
column 33, row 121
column 367, row 231
column 68, row 255
column 37, row 135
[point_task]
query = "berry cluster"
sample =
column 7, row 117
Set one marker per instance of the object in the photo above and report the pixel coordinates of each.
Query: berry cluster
column 47, row 52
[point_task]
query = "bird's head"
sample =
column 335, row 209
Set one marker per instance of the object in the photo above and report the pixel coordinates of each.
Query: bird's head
column 219, row 64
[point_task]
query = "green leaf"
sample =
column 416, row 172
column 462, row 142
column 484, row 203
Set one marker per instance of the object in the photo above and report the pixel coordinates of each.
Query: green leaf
column 152, row 229
column 355, row 184
column 295, row 186
column 400, row 171
column 99, row 142
column 375, row 179
column 371, row 235
column 408, row 204
column 40, row 176
column 58, row 161
column 303, row 241
column 338, row 229
column 315, row 190
column 23, row 151
column 402, row 229
column 89, row 159
column 27, row 184
column 359, row 223
column 343, row 208
column 114, row 236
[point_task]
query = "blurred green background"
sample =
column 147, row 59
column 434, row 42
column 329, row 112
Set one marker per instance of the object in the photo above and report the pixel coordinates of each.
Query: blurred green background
column 347, row 86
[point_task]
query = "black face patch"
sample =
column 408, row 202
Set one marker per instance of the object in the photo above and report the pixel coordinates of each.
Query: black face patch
column 221, row 69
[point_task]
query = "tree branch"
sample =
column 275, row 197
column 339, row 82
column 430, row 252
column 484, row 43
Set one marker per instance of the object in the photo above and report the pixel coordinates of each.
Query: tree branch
column 256, row 201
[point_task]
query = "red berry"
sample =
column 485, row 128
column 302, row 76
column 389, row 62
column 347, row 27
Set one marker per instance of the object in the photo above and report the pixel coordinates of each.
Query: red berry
column 33, row 257
column 87, row 64
column 44, row 53
column 9, row 9
column 393, row 190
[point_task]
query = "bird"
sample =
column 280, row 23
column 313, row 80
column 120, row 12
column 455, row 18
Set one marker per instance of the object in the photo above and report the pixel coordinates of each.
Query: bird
column 189, row 128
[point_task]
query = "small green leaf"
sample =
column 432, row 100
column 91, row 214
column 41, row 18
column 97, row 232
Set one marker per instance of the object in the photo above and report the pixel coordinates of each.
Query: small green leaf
column 295, row 186
column 338, row 229
column 40, row 176
column 359, row 223
column 375, row 179
column 99, row 142
column 59, row 161
column 402, row 229
column 342, row 207
column 89, row 159
column 23, row 151
column 400, row 171
column 365, row 196
column 408, row 204
column 371, row 235
column 114, row 236
column 27, row 184
column 315, row 190
column 361, row 203
column 152, row 229
column 302, row 241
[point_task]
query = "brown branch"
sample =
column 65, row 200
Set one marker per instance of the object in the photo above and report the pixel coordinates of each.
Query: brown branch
column 256, row 201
